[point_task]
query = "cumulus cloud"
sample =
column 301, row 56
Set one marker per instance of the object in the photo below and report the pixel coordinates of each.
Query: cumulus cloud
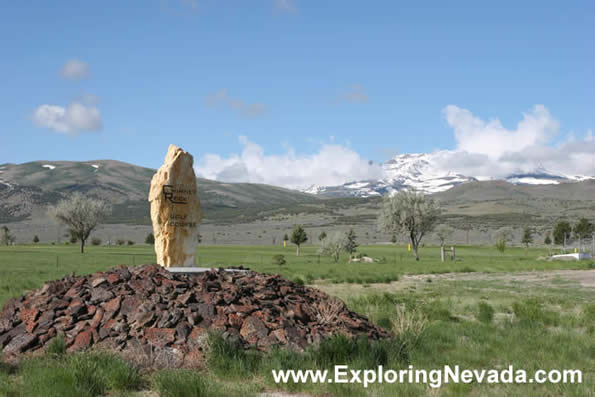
column 332, row 165
column 222, row 98
column 71, row 119
column 356, row 94
column 75, row 69
column 486, row 149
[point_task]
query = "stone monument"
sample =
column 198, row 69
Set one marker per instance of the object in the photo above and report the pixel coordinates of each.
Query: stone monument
column 175, row 209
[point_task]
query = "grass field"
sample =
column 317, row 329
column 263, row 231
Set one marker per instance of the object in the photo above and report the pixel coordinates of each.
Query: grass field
column 480, row 323
column 28, row 266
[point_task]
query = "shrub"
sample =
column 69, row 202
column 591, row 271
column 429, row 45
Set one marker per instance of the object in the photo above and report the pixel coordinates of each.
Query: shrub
column 36, row 239
column 95, row 241
column 279, row 260
column 130, row 242
column 486, row 313
column 531, row 312
column 120, row 242
column 57, row 346
column 408, row 325
column 333, row 245
column 150, row 239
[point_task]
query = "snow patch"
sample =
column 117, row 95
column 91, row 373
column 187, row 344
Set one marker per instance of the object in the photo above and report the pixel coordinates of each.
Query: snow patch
column 51, row 167
column 94, row 165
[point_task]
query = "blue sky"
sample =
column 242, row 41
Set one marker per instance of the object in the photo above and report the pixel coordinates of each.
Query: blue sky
column 124, row 79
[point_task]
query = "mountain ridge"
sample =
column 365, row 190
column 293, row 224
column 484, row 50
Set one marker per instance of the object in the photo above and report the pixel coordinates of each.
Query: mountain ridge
column 422, row 172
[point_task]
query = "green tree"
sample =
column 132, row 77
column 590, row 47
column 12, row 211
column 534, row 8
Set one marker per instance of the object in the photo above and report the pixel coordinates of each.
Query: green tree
column 548, row 238
column 36, row 239
column 150, row 239
column 81, row 215
column 350, row 242
column 322, row 236
column 7, row 238
column 583, row 229
column 298, row 237
column 501, row 237
column 409, row 212
column 443, row 232
column 393, row 238
column 561, row 230
column 527, row 236
column 285, row 238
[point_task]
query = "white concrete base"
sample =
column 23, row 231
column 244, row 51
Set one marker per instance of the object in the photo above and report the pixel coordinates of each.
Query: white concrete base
column 194, row 269
column 571, row 257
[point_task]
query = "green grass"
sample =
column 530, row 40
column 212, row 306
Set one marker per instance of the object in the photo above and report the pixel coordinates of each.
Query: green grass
column 473, row 323
column 29, row 266
column 84, row 375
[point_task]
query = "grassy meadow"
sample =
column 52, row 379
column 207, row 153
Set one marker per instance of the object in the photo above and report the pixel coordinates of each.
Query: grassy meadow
column 474, row 323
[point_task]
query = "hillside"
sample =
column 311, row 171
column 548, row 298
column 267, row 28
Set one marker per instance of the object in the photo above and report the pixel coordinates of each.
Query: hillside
column 25, row 188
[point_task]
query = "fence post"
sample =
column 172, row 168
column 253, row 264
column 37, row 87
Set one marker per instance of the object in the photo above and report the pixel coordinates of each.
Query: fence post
column 452, row 253
column 442, row 253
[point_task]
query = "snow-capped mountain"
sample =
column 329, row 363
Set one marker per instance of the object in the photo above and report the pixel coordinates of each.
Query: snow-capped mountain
column 421, row 171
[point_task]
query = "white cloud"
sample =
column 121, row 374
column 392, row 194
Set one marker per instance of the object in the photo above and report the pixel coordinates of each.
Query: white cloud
column 486, row 149
column 285, row 5
column 72, row 119
column 491, row 138
column 332, row 165
column 356, row 94
column 75, row 69
column 221, row 98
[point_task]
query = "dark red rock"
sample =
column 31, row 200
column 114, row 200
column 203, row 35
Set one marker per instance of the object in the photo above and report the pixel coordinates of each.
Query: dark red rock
column 113, row 278
column 143, row 319
column 160, row 337
column 97, row 318
column 76, row 307
column 170, row 314
column 112, row 306
column 253, row 329
column 28, row 315
column 129, row 305
column 82, row 341
column 20, row 343
column 101, row 294
column 98, row 281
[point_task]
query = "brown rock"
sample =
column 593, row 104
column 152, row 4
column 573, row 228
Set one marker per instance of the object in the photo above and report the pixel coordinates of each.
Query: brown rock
column 82, row 341
column 97, row 318
column 129, row 305
column 253, row 329
column 175, row 209
column 280, row 335
column 143, row 319
column 160, row 336
column 20, row 342
column 28, row 315
column 112, row 306
column 100, row 294
column 76, row 308
column 98, row 281
column 197, row 337
column 113, row 278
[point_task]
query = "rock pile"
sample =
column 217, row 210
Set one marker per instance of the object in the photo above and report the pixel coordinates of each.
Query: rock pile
column 161, row 319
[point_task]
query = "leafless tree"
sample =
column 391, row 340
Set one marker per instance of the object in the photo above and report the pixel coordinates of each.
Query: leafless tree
column 81, row 215
column 409, row 212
